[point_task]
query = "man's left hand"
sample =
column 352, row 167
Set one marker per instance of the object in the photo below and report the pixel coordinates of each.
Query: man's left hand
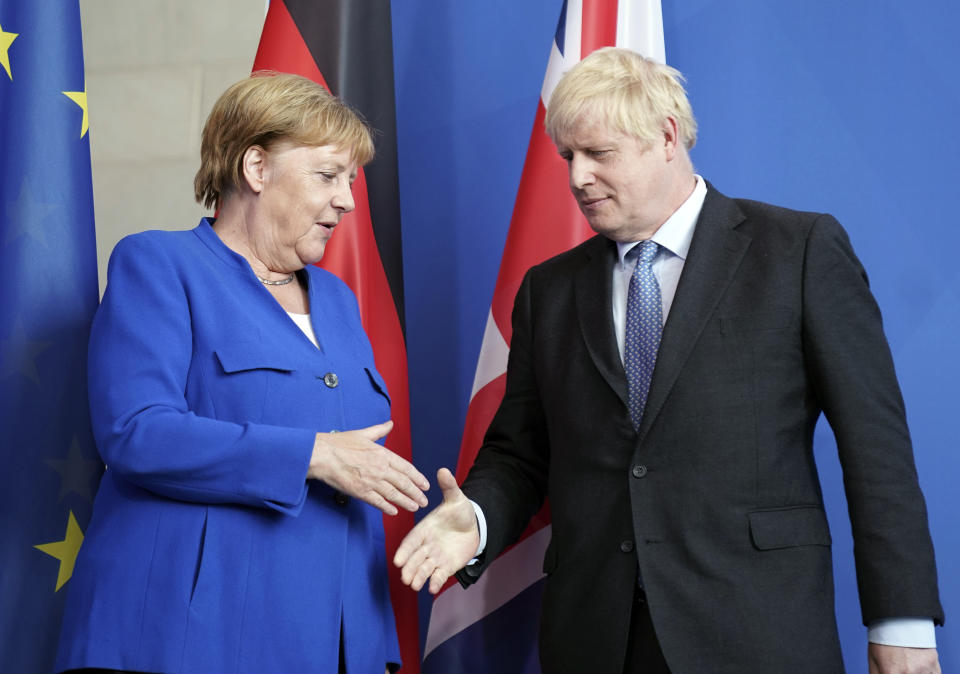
column 901, row 660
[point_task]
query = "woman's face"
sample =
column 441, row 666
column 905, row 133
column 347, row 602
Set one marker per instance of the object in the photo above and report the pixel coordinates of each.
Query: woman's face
column 306, row 190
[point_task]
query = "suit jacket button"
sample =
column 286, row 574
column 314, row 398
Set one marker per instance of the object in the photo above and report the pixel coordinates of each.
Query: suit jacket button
column 331, row 380
column 341, row 499
column 639, row 470
column 626, row 546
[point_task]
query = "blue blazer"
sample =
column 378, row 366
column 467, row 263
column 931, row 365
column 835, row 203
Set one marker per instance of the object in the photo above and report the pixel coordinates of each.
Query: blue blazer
column 208, row 550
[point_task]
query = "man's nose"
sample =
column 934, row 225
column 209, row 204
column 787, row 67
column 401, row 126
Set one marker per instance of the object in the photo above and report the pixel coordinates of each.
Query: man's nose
column 581, row 173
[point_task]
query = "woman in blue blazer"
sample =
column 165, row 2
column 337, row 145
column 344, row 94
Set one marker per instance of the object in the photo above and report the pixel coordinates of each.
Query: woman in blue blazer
column 236, row 404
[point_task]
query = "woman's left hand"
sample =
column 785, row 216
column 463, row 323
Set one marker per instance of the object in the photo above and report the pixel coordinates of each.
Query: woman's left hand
column 352, row 462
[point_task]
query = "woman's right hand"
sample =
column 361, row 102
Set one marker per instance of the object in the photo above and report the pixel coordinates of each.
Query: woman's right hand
column 352, row 462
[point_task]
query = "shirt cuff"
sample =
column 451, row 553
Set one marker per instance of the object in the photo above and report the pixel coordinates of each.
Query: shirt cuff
column 482, row 526
column 906, row 632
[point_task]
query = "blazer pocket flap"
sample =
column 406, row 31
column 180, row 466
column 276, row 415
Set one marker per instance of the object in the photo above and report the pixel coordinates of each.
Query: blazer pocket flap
column 378, row 382
column 246, row 356
column 789, row 527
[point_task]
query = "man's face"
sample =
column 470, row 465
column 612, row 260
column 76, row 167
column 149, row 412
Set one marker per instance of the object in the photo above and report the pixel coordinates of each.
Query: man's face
column 620, row 183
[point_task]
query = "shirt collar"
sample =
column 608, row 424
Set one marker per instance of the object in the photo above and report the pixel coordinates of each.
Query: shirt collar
column 677, row 232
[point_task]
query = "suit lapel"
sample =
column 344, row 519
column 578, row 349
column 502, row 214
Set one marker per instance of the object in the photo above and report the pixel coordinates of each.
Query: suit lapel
column 593, row 289
column 715, row 254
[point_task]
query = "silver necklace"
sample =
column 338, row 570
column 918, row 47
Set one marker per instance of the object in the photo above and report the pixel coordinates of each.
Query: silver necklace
column 281, row 282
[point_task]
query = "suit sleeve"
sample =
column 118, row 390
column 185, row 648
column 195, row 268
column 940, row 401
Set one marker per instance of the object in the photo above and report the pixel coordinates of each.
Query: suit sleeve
column 140, row 352
column 509, row 477
column 855, row 381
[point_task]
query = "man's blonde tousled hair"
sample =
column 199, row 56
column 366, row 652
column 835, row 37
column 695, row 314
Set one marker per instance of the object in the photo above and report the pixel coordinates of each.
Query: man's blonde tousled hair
column 627, row 91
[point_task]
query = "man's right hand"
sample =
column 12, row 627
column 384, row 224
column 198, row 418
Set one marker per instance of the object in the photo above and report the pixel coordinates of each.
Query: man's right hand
column 443, row 542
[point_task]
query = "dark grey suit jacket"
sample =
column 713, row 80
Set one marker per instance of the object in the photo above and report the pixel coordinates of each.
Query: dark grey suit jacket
column 716, row 497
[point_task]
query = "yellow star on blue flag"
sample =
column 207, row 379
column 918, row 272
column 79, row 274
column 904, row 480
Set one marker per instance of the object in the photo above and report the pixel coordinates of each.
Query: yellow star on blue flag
column 65, row 550
column 80, row 98
column 6, row 39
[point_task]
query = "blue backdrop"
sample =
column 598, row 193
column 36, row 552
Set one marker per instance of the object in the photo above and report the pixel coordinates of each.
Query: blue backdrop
column 843, row 107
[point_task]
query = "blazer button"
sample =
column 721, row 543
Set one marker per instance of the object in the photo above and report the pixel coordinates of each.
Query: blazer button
column 341, row 499
column 331, row 380
column 626, row 546
column 639, row 470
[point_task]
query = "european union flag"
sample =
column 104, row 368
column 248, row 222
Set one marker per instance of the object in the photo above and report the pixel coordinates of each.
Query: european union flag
column 48, row 292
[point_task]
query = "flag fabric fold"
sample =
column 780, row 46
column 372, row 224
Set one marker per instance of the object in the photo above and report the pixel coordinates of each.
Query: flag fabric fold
column 492, row 626
column 50, row 467
column 347, row 46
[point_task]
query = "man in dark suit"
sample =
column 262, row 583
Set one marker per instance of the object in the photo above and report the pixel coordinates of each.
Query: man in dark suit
column 664, row 381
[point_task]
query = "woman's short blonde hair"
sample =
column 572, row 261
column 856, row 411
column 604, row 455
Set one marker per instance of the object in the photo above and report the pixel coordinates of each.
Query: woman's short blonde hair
column 265, row 108
column 629, row 92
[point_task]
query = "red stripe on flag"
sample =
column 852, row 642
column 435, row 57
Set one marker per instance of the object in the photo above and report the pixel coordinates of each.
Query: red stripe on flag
column 282, row 47
column 483, row 406
column 599, row 26
column 352, row 255
column 546, row 221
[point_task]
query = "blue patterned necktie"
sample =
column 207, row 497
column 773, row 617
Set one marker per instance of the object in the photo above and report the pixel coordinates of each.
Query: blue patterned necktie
column 643, row 328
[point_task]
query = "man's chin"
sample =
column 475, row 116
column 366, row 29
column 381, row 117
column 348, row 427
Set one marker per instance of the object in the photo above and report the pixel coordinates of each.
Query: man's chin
column 601, row 226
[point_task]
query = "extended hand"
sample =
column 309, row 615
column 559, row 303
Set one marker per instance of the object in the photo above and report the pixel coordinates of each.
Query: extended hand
column 443, row 542
column 899, row 660
column 352, row 462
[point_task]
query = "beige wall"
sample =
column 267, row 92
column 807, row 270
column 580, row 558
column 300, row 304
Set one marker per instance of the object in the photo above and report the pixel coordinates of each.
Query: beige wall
column 154, row 68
